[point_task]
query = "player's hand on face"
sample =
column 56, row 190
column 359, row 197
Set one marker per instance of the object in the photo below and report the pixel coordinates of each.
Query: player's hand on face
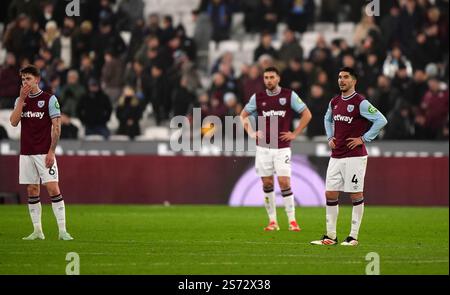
column 287, row 136
column 24, row 91
column 49, row 160
column 354, row 142
column 332, row 143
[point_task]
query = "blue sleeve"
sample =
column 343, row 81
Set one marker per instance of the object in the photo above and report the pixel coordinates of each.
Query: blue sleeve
column 297, row 103
column 328, row 122
column 368, row 111
column 250, row 107
column 53, row 107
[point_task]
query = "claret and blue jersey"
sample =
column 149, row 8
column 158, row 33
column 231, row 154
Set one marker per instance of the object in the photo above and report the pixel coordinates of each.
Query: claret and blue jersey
column 350, row 117
column 282, row 105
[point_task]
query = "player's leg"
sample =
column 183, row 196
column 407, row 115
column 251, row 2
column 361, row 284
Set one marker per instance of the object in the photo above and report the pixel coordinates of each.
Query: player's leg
column 334, row 184
column 270, row 204
column 59, row 209
column 354, row 184
column 264, row 169
column 28, row 175
column 50, row 179
column 282, row 164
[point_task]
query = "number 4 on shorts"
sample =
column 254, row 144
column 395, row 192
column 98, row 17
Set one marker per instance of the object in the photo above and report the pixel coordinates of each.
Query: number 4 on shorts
column 354, row 179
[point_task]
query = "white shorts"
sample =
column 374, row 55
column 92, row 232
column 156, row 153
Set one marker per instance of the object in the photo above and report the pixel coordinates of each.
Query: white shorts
column 273, row 161
column 32, row 170
column 346, row 174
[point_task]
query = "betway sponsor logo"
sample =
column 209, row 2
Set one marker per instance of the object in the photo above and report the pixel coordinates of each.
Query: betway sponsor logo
column 29, row 114
column 274, row 113
column 343, row 118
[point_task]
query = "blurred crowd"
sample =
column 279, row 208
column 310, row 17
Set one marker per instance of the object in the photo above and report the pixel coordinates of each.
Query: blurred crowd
column 400, row 56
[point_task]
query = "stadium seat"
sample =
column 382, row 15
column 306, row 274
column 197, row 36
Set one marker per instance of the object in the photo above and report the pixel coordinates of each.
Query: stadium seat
column 320, row 138
column 308, row 42
column 113, row 123
column 94, row 137
column 13, row 132
column 126, row 37
column 118, row 137
column 346, row 28
column 229, row 45
column 322, row 27
column 157, row 132
column 79, row 125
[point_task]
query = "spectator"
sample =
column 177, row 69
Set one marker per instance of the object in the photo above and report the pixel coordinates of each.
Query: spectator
column 94, row 110
column 183, row 98
column 106, row 13
column 134, row 78
column 411, row 20
column 157, row 91
column 394, row 61
column 418, row 88
column 153, row 28
column 370, row 71
column 300, row 14
column 402, row 82
column 71, row 94
column 317, row 104
column 129, row 112
column 401, row 125
column 363, row 28
column 63, row 47
column 389, row 27
column 87, row 70
column 129, row 11
column 265, row 47
column 290, row 48
column 83, row 42
column 9, row 82
column 230, row 100
column 15, row 37
column 167, row 29
column 220, row 15
column 27, row 7
column 137, row 38
column 435, row 107
column 251, row 83
column 112, row 76
column 188, row 45
column 294, row 77
column 47, row 15
column 68, row 130
column 51, row 34
column 385, row 98
column 107, row 40
column 268, row 16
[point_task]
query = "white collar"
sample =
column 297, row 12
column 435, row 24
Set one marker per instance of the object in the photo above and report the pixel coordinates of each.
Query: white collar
column 35, row 95
column 348, row 96
column 276, row 91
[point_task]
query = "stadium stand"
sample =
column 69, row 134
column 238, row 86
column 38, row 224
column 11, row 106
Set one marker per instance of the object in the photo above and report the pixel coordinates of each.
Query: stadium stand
column 184, row 40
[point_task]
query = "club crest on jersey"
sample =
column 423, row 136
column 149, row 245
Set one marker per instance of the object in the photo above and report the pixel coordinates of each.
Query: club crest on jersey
column 41, row 103
column 350, row 108
column 282, row 101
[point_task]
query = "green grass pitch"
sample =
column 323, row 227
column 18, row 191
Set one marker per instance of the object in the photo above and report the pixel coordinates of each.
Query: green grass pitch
column 222, row 240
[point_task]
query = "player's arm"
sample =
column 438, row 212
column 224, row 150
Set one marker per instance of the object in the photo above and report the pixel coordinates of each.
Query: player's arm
column 16, row 114
column 328, row 122
column 368, row 111
column 248, row 111
column 55, row 115
column 305, row 117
